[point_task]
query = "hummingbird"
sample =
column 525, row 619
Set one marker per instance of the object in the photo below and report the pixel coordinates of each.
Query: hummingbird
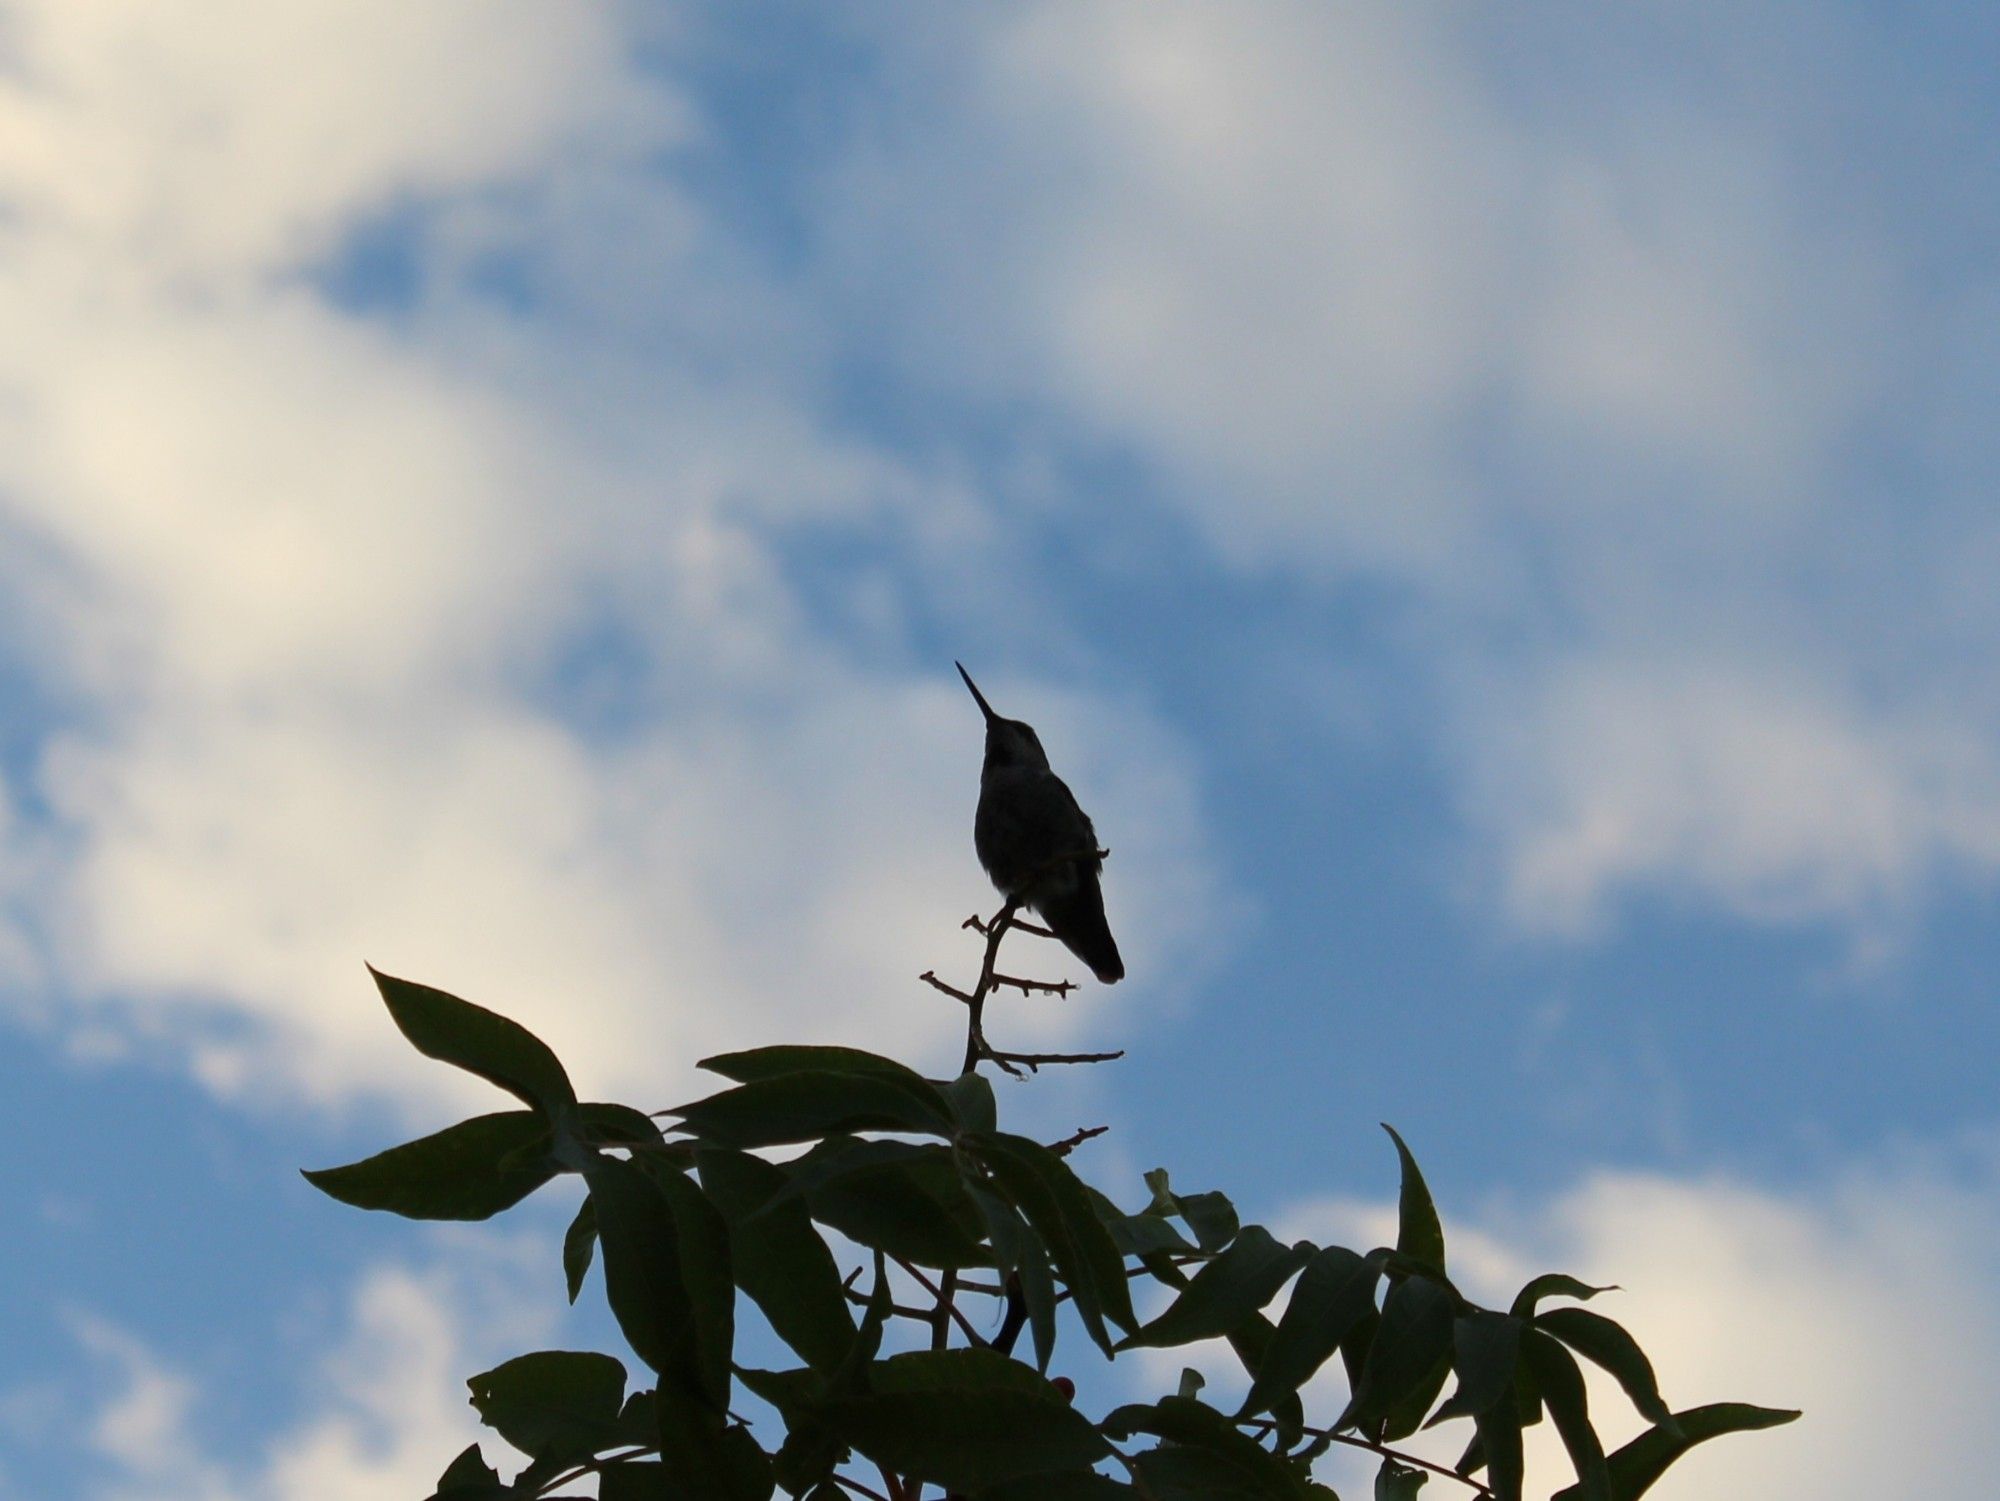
column 1037, row 844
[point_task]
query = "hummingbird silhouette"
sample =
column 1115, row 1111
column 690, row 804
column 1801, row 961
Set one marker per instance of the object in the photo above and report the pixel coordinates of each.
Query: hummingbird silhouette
column 1028, row 827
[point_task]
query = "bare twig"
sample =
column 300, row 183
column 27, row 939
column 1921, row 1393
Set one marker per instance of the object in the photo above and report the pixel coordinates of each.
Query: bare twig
column 1033, row 1062
column 979, row 925
column 1076, row 1139
column 1059, row 988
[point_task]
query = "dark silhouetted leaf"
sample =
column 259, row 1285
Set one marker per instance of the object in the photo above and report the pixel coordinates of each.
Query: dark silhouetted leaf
column 790, row 1058
column 1041, row 1185
column 1227, row 1291
column 902, row 1198
column 1499, row 1446
column 482, row 1042
column 778, row 1258
column 1076, row 1485
column 1020, row 1251
column 1552, row 1285
column 971, row 1097
column 1414, row 1335
column 1635, row 1467
column 642, row 1273
column 1335, row 1292
column 1232, row 1463
column 470, row 1171
column 1398, row 1482
column 1486, row 1350
column 1210, row 1217
column 966, row 1420
column 469, row 1478
column 1556, row 1373
column 1606, row 1342
column 805, row 1107
column 554, row 1404
column 579, row 1246
column 701, row 1237
column 1419, row 1233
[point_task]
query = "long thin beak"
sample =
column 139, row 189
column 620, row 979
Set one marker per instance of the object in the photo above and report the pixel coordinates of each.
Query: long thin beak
column 984, row 707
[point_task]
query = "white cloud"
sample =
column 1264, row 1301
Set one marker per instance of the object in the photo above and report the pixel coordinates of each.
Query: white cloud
column 313, row 587
column 383, row 1413
column 1587, row 341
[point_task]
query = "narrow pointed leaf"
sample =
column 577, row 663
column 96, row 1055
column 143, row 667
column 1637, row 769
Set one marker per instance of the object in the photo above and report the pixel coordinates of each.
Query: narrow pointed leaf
column 778, row 1258
column 789, row 1108
column 701, row 1239
column 1419, row 1233
column 1414, row 1335
column 1486, row 1350
column 1053, row 1199
column 1227, row 1291
column 1552, row 1285
column 775, row 1062
column 642, row 1273
column 441, row 1026
column 580, row 1246
column 1499, row 1444
column 1556, row 1372
column 1335, row 1291
column 1606, row 1342
column 1232, row 1463
column 1020, row 1251
column 1638, row 1464
column 470, row 1171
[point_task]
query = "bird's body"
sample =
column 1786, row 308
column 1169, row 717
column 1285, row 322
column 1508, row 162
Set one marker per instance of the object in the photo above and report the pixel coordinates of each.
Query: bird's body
column 1037, row 843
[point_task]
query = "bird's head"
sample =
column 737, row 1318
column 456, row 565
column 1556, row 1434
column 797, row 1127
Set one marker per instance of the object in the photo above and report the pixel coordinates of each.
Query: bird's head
column 1009, row 742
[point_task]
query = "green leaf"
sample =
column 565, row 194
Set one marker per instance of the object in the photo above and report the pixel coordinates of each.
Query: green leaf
column 1635, row 1467
column 789, row 1058
column 1499, row 1441
column 972, row 1104
column 1486, row 1350
column 1335, row 1292
column 1174, row 1472
column 701, row 1237
column 580, row 1246
column 778, row 1258
column 470, row 1171
column 1209, row 1216
column 966, row 1420
column 469, row 1478
column 903, row 1198
column 642, row 1272
column 706, row 1459
column 1041, row 1185
column 560, row 1405
column 481, row 1042
column 1552, row 1285
column 805, row 1107
column 1398, row 1482
column 1227, row 1291
column 1233, row 1464
column 1077, row 1485
column 616, row 1125
column 1020, row 1251
column 1419, row 1233
column 1556, row 1373
column 637, row 1480
column 1414, row 1335
column 1607, row 1343
column 1145, row 1234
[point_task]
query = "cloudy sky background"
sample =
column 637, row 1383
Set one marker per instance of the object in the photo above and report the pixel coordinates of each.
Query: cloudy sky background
column 1490, row 508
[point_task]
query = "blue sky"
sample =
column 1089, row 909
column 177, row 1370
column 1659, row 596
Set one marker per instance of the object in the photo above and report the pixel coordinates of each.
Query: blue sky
column 1490, row 508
